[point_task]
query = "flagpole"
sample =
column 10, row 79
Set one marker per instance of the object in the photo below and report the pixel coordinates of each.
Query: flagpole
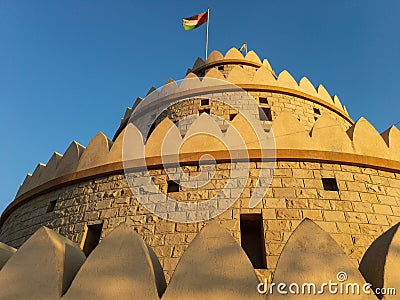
column 208, row 20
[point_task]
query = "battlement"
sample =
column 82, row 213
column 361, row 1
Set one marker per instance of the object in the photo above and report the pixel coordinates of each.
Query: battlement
column 327, row 136
column 123, row 266
column 260, row 77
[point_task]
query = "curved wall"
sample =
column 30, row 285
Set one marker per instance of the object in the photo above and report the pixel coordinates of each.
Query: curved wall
column 306, row 111
column 365, row 206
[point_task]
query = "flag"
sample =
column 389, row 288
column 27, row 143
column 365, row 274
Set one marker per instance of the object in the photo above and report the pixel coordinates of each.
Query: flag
column 243, row 48
column 195, row 21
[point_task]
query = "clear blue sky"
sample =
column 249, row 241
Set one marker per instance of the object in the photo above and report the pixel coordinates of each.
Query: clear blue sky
column 68, row 69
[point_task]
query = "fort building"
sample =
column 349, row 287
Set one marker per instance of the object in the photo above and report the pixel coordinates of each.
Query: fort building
column 323, row 196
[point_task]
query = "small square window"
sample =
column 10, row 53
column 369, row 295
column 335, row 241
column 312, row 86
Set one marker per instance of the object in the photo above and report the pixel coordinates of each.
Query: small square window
column 232, row 116
column 205, row 110
column 205, row 102
column 51, row 206
column 265, row 114
column 263, row 100
column 221, row 68
column 330, row 184
column 317, row 111
column 173, row 186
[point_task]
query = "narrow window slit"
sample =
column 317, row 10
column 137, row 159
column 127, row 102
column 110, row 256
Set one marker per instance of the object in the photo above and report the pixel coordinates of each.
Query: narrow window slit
column 265, row 114
column 152, row 127
column 252, row 239
column 91, row 238
column 51, row 206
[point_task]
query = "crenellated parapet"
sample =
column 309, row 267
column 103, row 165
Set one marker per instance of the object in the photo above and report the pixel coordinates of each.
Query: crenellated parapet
column 248, row 73
column 122, row 266
column 261, row 75
column 232, row 57
column 326, row 140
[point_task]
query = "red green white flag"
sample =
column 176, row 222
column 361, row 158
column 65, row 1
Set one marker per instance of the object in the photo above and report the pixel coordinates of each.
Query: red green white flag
column 195, row 21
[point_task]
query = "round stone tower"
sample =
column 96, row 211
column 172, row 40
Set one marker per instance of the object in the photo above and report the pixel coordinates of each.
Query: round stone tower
column 318, row 164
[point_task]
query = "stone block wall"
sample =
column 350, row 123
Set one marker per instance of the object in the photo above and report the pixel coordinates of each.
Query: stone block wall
column 305, row 111
column 301, row 108
column 365, row 206
column 181, row 112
